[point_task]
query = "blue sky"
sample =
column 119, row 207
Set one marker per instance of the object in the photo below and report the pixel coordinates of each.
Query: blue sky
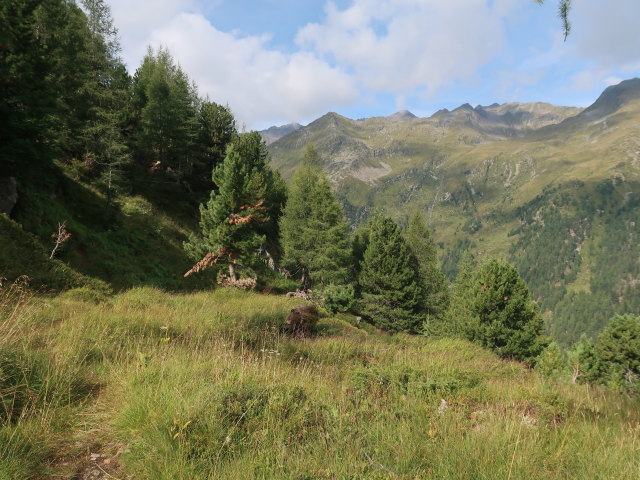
column 281, row 61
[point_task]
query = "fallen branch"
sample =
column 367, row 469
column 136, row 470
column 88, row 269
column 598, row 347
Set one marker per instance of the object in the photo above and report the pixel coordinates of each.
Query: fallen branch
column 209, row 260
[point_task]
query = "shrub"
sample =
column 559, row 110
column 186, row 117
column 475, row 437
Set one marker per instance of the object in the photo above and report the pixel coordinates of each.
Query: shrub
column 551, row 362
column 338, row 298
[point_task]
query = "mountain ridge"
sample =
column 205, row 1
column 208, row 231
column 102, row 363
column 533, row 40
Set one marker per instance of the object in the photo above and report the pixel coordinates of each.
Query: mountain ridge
column 559, row 201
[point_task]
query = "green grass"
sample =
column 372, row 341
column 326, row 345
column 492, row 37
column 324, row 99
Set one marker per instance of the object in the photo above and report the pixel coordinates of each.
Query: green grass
column 133, row 240
column 204, row 386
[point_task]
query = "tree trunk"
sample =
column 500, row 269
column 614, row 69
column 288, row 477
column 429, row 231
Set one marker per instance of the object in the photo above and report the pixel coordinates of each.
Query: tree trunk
column 232, row 271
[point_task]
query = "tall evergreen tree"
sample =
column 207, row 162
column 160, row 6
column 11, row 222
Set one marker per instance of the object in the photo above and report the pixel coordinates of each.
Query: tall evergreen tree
column 233, row 221
column 314, row 232
column 216, row 130
column 389, row 279
column 107, row 90
column 166, row 106
column 253, row 150
column 458, row 317
column 433, row 284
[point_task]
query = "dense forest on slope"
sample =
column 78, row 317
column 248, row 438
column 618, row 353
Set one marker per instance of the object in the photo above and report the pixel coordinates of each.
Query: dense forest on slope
column 123, row 160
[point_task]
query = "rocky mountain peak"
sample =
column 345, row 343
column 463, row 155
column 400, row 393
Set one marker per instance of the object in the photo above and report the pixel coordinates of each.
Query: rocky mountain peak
column 613, row 98
column 402, row 115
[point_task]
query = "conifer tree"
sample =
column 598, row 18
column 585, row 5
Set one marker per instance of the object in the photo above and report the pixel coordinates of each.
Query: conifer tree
column 166, row 106
column 253, row 150
column 389, row 279
column 216, row 130
column 617, row 353
column 433, row 284
column 230, row 221
column 504, row 318
column 107, row 90
column 457, row 318
column 314, row 232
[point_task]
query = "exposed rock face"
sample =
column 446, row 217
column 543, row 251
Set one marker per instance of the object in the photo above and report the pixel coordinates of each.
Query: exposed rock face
column 8, row 194
column 302, row 321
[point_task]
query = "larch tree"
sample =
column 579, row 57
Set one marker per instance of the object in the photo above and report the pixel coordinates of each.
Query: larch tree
column 389, row 279
column 165, row 106
column 432, row 282
column 314, row 232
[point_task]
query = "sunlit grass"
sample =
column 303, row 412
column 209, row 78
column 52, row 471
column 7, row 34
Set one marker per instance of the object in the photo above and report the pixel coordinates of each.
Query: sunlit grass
column 205, row 386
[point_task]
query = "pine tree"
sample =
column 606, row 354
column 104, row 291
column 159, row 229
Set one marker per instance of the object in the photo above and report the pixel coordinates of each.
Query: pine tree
column 503, row 315
column 253, row 150
column 314, row 232
column 617, row 353
column 389, row 279
column 433, row 284
column 229, row 221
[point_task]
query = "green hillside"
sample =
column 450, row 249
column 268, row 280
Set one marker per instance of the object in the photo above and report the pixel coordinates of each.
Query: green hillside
column 559, row 200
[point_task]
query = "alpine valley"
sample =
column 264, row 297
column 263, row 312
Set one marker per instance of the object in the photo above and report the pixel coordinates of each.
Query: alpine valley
column 554, row 190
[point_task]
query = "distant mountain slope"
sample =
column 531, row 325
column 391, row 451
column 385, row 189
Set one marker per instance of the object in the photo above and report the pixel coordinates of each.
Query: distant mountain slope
column 554, row 189
column 274, row 133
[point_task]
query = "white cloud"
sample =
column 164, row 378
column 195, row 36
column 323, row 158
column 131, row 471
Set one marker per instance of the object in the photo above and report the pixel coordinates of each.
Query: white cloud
column 606, row 33
column 401, row 45
column 137, row 19
column 261, row 86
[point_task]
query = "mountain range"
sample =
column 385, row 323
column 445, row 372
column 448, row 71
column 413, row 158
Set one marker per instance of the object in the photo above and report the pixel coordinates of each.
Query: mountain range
column 555, row 190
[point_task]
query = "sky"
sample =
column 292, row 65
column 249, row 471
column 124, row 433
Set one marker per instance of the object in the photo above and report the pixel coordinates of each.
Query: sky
column 275, row 62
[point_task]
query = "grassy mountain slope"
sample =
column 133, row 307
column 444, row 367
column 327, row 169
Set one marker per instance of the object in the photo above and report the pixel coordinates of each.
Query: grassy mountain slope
column 134, row 239
column 150, row 385
column 560, row 201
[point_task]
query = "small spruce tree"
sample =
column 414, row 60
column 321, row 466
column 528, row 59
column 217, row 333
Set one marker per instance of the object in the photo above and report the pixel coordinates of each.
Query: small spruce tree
column 503, row 316
column 458, row 318
column 389, row 279
column 617, row 353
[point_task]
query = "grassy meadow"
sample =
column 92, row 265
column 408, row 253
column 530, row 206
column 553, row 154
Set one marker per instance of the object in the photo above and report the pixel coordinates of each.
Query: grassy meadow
column 152, row 385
